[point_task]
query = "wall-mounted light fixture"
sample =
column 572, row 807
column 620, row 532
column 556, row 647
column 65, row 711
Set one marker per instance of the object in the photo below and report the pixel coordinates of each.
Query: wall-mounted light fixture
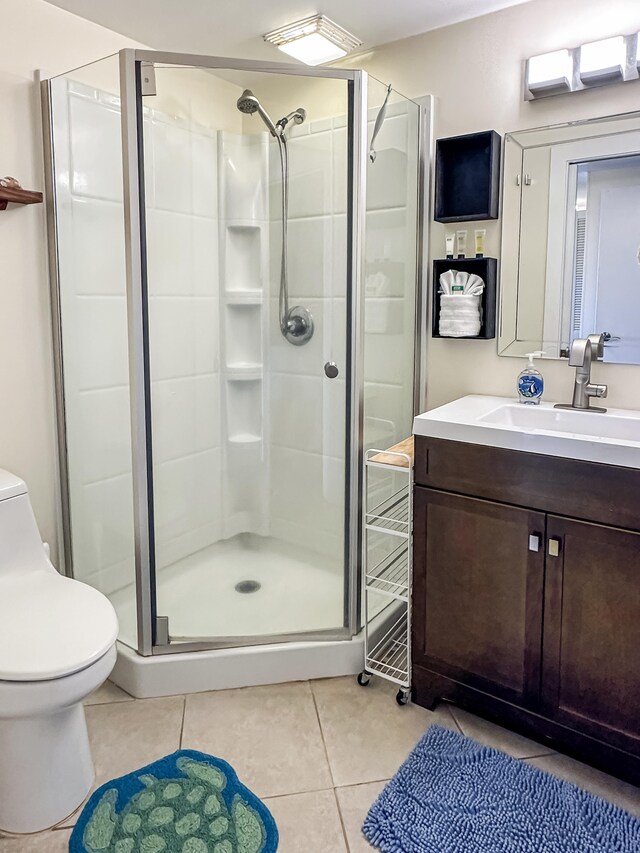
column 603, row 60
column 550, row 72
column 314, row 40
column 598, row 63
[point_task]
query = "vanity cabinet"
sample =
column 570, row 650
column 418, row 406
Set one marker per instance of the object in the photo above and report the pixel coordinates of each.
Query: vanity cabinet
column 478, row 593
column 526, row 609
column 591, row 640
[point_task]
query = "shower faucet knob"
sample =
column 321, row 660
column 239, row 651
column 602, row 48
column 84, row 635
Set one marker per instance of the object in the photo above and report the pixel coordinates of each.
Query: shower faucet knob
column 331, row 369
column 297, row 326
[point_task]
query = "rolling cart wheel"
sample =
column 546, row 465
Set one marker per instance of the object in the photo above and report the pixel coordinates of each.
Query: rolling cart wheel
column 403, row 695
column 364, row 678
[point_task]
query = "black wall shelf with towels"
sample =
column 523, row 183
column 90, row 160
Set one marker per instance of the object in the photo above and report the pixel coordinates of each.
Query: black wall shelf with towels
column 467, row 177
column 487, row 269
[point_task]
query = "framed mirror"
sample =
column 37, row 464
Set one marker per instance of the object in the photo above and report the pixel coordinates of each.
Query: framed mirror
column 571, row 238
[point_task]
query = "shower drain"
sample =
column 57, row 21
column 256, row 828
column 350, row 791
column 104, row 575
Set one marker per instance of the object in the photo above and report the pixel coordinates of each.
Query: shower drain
column 247, row 586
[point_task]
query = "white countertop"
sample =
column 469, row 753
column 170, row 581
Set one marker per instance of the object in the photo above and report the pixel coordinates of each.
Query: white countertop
column 611, row 438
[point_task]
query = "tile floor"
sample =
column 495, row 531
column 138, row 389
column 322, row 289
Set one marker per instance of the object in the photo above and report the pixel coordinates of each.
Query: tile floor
column 317, row 752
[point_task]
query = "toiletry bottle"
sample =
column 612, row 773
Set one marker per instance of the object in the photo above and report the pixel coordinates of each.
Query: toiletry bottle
column 450, row 242
column 461, row 241
column 530, row 381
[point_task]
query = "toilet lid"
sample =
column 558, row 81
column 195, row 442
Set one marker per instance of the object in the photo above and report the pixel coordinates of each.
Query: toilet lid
column 51, row 626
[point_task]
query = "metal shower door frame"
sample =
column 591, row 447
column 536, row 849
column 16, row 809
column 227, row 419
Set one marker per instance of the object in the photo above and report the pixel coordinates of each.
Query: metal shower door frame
column 131, row 62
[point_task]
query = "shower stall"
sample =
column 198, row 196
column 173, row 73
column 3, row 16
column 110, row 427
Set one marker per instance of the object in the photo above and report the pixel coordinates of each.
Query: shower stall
column 237, row 316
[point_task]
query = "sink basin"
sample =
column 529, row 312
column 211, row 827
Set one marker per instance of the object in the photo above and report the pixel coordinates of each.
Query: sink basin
column 609, row 425
column 611, row 438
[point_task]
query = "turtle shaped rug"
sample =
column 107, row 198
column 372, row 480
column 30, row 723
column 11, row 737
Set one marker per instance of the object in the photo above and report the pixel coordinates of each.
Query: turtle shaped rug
column 188, row 802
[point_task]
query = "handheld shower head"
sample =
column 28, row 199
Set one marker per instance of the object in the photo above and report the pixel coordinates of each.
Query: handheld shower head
column 248, row 104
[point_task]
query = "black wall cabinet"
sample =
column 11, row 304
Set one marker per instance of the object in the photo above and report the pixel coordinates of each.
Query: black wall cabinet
column 467, row 177
column 487, row 269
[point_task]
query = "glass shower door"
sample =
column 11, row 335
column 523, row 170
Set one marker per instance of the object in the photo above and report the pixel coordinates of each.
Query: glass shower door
column 248, row 422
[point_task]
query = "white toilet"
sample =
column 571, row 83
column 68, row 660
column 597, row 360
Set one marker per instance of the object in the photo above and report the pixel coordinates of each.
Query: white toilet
column 57, row 645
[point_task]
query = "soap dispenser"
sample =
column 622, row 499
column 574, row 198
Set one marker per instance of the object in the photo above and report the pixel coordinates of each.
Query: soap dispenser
column 530, row 381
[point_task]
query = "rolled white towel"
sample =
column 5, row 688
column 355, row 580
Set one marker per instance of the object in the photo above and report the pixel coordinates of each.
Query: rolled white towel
column 460, row 316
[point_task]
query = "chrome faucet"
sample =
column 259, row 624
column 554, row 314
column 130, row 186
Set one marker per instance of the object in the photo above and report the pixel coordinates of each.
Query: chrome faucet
column 583, row 352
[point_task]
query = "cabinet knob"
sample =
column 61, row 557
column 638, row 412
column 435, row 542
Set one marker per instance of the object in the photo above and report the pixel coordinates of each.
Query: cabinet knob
column 554, row 547
column 534, row 542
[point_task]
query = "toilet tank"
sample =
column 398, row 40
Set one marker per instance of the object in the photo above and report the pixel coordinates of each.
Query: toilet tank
column 21, row 547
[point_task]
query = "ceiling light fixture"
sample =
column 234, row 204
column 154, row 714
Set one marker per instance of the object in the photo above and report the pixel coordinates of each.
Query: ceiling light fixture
column 314, row 40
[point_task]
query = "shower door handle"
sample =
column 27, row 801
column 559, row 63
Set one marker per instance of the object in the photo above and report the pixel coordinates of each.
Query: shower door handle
column 331, row 369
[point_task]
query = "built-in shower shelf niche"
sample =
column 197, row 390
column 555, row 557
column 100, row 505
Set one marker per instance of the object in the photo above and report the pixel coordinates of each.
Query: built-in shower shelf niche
column 244, row 409
column 243, row 180
column 244, row 372
column 249, row 224
column 245, row 297
column 246, row 438
column 244, row 258
column 243, row 333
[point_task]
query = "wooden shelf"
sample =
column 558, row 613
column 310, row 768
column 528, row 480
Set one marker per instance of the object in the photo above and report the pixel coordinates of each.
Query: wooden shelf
column 16, row 195
column 405, row 446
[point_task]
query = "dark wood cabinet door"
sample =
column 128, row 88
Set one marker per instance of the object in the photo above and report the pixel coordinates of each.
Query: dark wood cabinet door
column 478, row 593
column 591, row 645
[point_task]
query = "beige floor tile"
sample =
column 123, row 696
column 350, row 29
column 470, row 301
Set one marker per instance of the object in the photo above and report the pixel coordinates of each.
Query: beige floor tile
column 614, row 790
column 45, row 842
column 308, row 823
column 127, row 735
column 109, row 692
column 354, row 803
column 490, row 734
column 270, row 735
column 367, row 734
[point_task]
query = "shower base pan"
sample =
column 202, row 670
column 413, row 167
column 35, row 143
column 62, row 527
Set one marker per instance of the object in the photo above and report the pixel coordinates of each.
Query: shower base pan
column 246, row 586
column 219, row 669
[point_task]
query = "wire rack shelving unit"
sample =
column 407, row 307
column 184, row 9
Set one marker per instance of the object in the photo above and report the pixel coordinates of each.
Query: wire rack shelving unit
column 388, row 530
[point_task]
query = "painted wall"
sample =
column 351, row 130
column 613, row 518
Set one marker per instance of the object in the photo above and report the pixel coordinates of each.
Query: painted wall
column 38, row 36
column 474, row 69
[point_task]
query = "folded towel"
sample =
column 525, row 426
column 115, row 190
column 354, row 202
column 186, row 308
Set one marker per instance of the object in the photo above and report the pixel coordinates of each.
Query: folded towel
column 456, row 281
column 447, row 281
column 474, row 285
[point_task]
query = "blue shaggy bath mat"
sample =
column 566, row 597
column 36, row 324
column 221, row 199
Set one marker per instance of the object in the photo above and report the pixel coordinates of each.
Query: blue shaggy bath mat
column 453, row 795
column 188, row 802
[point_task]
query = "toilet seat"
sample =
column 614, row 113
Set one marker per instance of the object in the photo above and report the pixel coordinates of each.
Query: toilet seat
column 51, row 626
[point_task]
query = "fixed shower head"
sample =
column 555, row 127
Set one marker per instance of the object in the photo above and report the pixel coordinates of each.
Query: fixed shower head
column 248, row 104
